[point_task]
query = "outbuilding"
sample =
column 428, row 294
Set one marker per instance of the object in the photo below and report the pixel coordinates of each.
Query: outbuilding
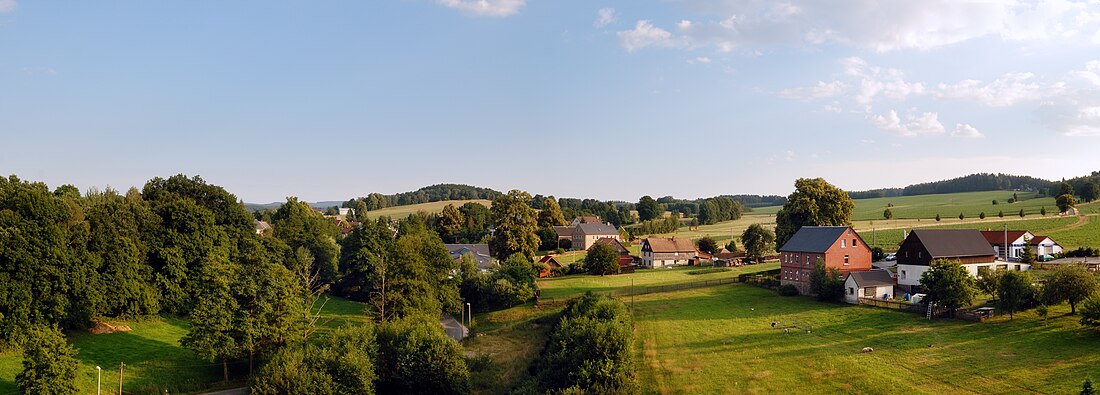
column 878, row 284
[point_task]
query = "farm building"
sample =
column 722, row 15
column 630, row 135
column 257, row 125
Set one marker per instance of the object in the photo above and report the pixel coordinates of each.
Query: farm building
column 662, row 252
column 480, row 253
column 966, row 246
column 550, row 261
column 839, row 247
column 1016, row 240
column 877, row 283
column 1044, row 245
column 585, row 235
column 590, row 219
column 564, row 232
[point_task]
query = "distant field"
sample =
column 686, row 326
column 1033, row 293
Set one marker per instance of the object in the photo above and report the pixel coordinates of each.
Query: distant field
column 722, row 231
column 575, row 285
column 890, row 238
column 971, row 204
column 720, row 340
column 1085, row 235
column 398, row 212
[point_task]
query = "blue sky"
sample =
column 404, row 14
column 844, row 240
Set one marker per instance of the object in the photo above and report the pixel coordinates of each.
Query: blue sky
column 607, row 99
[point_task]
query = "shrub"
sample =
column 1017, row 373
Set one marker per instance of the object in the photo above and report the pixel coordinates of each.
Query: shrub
column 48, row 363
column 342, row 364
column 589, row 349
column 788, row 290
column 416, row 357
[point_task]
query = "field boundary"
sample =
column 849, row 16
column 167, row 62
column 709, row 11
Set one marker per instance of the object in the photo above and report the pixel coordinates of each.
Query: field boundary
column 648, row 289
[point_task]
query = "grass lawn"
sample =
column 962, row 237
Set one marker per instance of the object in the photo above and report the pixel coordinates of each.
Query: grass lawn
column 512, row 338
column 719, row 340
column 577, row 284
column 398, row 212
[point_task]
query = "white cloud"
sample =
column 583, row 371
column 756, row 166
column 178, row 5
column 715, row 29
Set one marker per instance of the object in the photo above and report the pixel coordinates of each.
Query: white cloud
column 835, row 107
column 927, row 123
column 820, row 90
column 484, row 7
column 788, row 156
column 964, row 130
column 644, row 35
column 605, row 16
column 886, row 26
column 700, row 60
column 8, row 6
column 1006, row 91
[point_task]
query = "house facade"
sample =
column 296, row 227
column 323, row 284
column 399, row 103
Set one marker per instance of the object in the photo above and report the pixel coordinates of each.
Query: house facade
column 1016, row 240
column 1044, row 245
column 876, row 283
column 839, row 247
column 966, row 246
column 663, row 252
column 551, row 264
column 585, row 235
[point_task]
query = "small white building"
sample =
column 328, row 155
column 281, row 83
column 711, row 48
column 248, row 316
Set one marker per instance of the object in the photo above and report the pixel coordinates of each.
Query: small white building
column 877, row 283
column 1043, row 245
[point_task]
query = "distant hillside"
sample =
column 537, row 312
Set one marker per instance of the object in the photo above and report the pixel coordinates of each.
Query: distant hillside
column 980, row 182
column 275, row 205
column 430, row 208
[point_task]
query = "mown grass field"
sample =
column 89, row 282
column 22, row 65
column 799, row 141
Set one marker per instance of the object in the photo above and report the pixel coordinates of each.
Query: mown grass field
column 155, row 361
column 1085, row 234
column 398, row 212
column 720, row 340
column 577, row 284
column 971, row 204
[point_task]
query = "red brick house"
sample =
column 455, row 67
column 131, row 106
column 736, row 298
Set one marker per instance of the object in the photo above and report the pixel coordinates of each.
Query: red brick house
column 839, row 247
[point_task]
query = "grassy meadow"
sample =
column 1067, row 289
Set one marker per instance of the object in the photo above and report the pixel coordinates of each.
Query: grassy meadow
column 947, row 205
column 720, row 340
column 398, row 212
column 578, row 284
column 889, row 239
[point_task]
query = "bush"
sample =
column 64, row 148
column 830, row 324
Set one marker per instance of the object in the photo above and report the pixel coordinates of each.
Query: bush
column 589, row 349
column 788, row 290
column 342, row 364
column 48, row 363
column 601, row 260
column 1082, row 252
column 416, row 357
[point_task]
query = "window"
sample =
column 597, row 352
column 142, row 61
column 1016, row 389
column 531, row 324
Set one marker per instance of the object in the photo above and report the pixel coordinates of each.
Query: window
column 845, row 260
column 902, row 274
column 843, row 243
column 853, row 242
column 851, row 291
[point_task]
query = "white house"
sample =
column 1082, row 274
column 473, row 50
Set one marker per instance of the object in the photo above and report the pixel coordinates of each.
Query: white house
column 877, row 283
column 1044, row 245
column 1016, row 241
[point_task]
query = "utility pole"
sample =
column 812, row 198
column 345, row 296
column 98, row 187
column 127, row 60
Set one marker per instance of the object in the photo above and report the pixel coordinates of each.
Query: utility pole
column 1006, row 241
column 120, row 366
column 98, row 379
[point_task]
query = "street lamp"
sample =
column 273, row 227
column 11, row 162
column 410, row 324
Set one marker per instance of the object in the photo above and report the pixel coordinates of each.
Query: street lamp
column 98, row 378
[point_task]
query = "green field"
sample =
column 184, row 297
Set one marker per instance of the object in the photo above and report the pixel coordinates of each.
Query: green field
column 1086, row 234
column 575, row 285
column 889, row 239
column 947, row 205
column 398, row 212
column 155, row 361
column 720, row 340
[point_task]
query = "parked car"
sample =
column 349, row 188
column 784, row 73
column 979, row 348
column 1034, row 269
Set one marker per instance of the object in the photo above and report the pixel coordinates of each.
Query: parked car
column 1045, row 258
column 891, row 257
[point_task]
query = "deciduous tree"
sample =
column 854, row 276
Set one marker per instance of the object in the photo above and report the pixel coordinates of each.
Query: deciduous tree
column 1015, row 290
column 648, row 208
column 1068, row 283
column 515, row 226
column 48, row 364
column 813, row 203
column 601, row 259
column 948, row 284
column 758, row 241
column 708, row 245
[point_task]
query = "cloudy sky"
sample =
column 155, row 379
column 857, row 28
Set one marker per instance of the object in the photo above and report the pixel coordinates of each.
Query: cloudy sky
column 607, row 99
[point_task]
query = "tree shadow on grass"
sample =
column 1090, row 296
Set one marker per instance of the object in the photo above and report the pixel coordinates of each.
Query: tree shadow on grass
column 8, row 387
column 152, row 366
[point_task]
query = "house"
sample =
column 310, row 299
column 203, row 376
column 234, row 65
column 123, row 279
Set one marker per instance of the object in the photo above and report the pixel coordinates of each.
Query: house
column 1016, row 241
column 564, row 232
column 625, row 259
column 263, row 228
column 1044, row 245
column 585, row 235
column 550, row 261
column 726, row 258
column 877, row 283
column 966, row 246
column 590, row 219
column 662, row 252
column 839, row 247
column 480, row 253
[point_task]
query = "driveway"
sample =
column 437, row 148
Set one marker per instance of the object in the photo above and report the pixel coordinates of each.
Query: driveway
column 1091, row 260
column 453, row 328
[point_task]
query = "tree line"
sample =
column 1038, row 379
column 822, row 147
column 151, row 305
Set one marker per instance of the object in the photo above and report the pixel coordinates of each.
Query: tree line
column 970, row 183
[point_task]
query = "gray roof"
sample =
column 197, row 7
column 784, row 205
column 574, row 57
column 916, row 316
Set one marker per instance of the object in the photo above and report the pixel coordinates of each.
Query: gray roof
column 872, row 278
column 479, row 251
column 596, row 229
column 815, row 239
column 953, row 242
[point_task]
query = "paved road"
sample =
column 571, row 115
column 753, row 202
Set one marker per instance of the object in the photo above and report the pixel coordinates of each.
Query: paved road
column 453, row 328
column 234, row 391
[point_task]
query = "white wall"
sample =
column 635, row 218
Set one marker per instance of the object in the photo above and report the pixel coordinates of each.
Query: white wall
column 910, row 274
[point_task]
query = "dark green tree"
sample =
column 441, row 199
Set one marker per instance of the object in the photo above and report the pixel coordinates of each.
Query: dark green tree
column 1021, row 213
column 1091, row 191
column 981, row 215
column 708, row 245
column 214, row 334
column 887, row 214
column 1001, row 214
column 813, row 203
column 961, row 216
column 48, row 364
column 648, row 209
column 1042, row 210
column 758, row 242
column 948, row 284
column 989, row 280
column 515, row 226
column 415, row 356
column 1027, row 255
column 1090, row 313
column 298, row 225
column 937, row 217
column 1086, row 387
column 826, row 283
column 601, row 259
column 343, row 363
column 1065, row 202
column 1015, row 290
column 551, row 214
column 451, row 222
column 1070, row 283
column 731, row 246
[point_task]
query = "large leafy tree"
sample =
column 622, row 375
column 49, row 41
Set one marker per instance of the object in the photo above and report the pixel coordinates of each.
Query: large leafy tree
column 1065, row 199
column 813, row 203
column 948, row 284
column 708, row 245
column 298, row 225
column 363, row 258
column 515, row 224
column 478, row 219
column 1068, row 283
column 758, row 242
column 826, row 283
column 214, row 334
column 48, row 364
column 648, row 208
column 1016, row 291
column 187, row 236
column 416, row 357
column 989, row 280
column 601, row 259
column 551, row 214
column 343, row 363
column 121, row 229
column 450, row 223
